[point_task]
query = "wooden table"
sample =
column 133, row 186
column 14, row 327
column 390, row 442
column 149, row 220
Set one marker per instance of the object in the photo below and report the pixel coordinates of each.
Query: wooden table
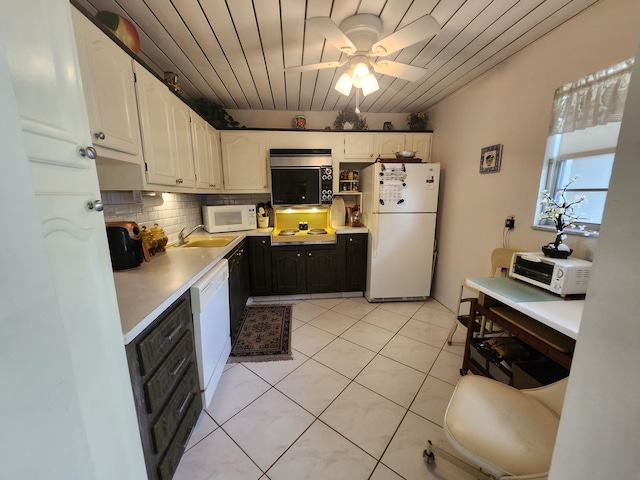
column 545, row 322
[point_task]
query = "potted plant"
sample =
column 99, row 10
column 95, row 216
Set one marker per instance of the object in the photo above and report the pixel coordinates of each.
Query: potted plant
column 563, row 215
column 348, row 119
column 215, row 114
column 418, row 121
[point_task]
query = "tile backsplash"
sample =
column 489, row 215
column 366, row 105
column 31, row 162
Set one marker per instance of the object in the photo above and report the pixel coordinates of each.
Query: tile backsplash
column 177, row 211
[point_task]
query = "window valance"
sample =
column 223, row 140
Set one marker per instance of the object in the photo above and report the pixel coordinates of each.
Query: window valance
column 596, row 99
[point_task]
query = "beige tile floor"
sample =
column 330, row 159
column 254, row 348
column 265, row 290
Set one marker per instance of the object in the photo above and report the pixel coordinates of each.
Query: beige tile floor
column 367, row 387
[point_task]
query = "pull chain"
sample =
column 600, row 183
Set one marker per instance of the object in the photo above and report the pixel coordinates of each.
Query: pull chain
column 358, row 101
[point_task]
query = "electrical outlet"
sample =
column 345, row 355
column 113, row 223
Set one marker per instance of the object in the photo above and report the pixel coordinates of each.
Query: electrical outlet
column 510, row 223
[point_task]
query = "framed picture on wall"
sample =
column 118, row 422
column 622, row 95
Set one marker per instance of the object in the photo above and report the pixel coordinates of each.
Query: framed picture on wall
column 490, row 159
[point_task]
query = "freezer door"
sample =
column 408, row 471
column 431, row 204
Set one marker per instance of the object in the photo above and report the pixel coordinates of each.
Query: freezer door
column 406, row 188
column 401, row 256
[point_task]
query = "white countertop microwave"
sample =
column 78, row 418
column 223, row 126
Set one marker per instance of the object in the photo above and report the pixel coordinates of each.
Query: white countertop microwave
column 228, row 218
column 563, row 277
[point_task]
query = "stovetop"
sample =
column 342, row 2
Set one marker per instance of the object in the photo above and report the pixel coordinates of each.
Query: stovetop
column 311, row 236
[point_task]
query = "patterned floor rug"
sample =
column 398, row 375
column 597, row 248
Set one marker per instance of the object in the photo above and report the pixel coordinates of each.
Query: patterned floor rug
column 264, row 334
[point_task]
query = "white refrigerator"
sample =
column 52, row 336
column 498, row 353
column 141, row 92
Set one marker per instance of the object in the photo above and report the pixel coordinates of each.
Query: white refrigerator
column 399, row 206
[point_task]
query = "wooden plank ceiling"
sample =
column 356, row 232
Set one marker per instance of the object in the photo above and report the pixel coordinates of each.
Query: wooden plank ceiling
column 234, row 52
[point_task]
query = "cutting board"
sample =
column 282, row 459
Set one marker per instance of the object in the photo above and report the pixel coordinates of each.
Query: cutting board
column 337, row 212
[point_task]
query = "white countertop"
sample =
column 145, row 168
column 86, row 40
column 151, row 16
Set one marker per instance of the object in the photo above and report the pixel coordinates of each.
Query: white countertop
column 562, row 315
column 146, row 291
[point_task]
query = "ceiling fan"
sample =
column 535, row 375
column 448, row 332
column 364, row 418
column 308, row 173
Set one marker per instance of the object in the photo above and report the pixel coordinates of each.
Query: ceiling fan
column 358, row 37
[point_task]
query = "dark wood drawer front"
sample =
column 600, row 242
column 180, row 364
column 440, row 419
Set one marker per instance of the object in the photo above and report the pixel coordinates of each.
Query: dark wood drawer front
column 170, row 462
column 163, row 338
column 168, row 375
column 166, row 425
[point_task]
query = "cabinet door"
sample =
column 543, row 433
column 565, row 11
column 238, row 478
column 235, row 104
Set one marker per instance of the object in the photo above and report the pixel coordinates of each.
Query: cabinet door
column 244, row 161
column 352, row 261
column 386, row 144
column 321, row 270
column 238, row 286
column 156, row 120
column 421, row 144
column 260, row 265
column 288, row 270
column 359, row 145
column 107, row 79
column 181, row 139
column 206, row 156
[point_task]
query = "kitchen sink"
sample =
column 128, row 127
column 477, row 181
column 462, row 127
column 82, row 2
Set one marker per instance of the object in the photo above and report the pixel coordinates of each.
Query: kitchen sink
column 209, row 241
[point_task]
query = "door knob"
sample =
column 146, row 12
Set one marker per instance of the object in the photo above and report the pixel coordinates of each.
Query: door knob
column 89, row 152
column 98, row 206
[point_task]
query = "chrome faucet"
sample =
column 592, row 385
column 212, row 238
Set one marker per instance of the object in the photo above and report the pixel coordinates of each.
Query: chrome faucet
column 182, row 237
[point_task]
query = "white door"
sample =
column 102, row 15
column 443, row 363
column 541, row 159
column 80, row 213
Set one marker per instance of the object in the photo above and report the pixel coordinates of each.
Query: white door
column 38, row 39
column 401, row 255
column 406, row 188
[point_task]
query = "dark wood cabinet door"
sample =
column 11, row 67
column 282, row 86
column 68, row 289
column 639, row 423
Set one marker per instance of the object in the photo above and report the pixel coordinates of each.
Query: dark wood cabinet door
column 352, row 261
column 259, row 265
column 288, row 270
column 238, row 285
column 321, row 270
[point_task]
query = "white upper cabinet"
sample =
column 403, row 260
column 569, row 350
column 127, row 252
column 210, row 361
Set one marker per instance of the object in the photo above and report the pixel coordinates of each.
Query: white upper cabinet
column 421, row 144
column 359, row 146
column 244, row 161
column 206, row 154
column 363, row 147
column 387, row 144
column 108, row 83
column 166, row 133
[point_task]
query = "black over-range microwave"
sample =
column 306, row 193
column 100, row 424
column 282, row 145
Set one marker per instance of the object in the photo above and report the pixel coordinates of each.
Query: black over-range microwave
column 301, row 176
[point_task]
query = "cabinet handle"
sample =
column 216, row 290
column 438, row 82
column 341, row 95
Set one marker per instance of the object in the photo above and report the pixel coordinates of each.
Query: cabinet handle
column 99, row 135
column 264, row 241
column 179, row 181
column 184, row 403
column 88, row 152
column 309, row 254
column 212, row 185
column 351, row 239
column 297, row 254
column 173, row 333
column 177, row 368
column 98, row 206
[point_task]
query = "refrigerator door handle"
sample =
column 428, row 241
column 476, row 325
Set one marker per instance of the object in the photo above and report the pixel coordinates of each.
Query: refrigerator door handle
column 375, row 220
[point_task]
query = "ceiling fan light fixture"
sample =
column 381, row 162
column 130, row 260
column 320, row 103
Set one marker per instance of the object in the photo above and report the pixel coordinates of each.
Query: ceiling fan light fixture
column 370, row 85
column 344, row 84
column 360, row 74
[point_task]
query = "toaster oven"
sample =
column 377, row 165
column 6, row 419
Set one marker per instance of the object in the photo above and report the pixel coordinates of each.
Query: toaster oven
column 560, row 276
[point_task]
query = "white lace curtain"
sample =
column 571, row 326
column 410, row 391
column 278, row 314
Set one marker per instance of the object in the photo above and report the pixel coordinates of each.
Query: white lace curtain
column 596, row 99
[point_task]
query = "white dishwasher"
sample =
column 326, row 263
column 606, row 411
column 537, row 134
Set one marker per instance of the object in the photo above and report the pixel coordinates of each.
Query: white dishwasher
column 210, row 308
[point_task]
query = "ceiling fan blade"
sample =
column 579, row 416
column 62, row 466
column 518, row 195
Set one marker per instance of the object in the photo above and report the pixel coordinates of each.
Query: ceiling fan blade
column 423, row 28
column 400, row 70
column 314, row 66
column 329, row 30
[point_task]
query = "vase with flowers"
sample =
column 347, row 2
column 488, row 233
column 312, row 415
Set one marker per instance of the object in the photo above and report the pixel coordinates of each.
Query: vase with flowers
column 562, row 212
column 417, row 121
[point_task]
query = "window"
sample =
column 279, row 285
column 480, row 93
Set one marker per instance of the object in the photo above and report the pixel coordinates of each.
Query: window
column 584, row 132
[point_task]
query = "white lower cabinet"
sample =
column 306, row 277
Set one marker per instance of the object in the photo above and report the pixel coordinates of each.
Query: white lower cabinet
column 244, row 161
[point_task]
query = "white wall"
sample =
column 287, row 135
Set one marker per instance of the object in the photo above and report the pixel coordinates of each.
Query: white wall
column 600, row 425
column 511, row 105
